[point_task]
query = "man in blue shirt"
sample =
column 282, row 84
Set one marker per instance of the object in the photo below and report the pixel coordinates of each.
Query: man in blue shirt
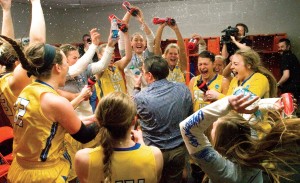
column 161, row 106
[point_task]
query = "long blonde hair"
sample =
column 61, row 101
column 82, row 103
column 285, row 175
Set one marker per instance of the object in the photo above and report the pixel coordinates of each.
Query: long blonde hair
column 252, row 59
column 233, row 140
column 115, row 114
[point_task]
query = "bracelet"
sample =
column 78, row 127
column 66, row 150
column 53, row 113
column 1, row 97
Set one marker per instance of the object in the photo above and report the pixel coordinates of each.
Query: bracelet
column 137, row 88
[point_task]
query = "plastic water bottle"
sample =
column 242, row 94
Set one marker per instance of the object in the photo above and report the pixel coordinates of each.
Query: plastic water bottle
column 114, row 28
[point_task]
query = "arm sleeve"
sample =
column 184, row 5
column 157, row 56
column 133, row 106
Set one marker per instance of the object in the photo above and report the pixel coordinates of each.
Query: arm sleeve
column 82, row 63
column 85, row 133
column 102, row 64
column 192, row 128
column 267, row 104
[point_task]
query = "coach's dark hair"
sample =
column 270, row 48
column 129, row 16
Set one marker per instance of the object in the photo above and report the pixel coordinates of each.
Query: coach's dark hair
column 157, row 66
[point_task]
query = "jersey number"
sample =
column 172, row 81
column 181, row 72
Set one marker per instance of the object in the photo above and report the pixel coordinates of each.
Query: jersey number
column 5, row 105
column 21, row 105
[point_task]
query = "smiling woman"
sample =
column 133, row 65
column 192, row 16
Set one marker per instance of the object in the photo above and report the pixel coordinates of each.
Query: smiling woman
column 251, row 74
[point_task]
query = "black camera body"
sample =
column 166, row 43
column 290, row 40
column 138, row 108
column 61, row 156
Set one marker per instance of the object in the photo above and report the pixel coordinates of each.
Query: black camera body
column 229, row 31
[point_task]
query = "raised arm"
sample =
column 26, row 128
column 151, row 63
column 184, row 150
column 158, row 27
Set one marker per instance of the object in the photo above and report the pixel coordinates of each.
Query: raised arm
column 182, row 49
column 147, row 30
column 227, row 71
column 37, row 33
column 157, row 40
column 239, row 45
column 121, row 64
column 7, row 24
column 192, row 128
column 191, row 86
column 84, row 94
column 121, row 41
column 103, row 63
column 82, row 63
column 224, row 51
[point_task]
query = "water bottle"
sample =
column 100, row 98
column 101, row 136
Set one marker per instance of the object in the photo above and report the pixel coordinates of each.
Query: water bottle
column 114, row 29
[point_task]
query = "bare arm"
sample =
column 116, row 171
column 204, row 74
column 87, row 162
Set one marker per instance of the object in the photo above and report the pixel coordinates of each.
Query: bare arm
column 157, row 40
column 82, row 164
column 7, row 24
column 121, row 41
column 19, row 80
column 84, row 94
column 68, row 95
column 159, row 161
column 147, row 30
column 58, row 108
column 191, row 86
column 182, row 49
column 37, row 33
column 225, row 85
column 239, row 45
column 227, row 71
column 121, row 64
column 224, row 53
column 284, row 77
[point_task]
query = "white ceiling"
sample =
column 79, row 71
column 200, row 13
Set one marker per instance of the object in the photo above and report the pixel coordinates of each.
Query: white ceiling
column 87, row 3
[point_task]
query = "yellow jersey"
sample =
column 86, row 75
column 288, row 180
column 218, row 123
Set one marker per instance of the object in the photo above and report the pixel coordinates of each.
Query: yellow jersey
column 214, row 84
column 36, row 138
column 176, row 75
column 136, row 164
column 7, row 98
column 257, row 83
column 110, row 81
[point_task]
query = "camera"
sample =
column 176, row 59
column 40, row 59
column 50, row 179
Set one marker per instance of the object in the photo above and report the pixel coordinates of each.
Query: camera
column 229, row 31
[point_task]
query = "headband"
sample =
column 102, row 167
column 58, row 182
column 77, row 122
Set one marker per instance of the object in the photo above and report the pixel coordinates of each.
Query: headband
column 49, row 55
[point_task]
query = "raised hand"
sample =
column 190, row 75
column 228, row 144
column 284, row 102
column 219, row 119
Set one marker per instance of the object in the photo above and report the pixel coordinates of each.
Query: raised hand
column 95, row 36
column 240, row 103
column 5, row 4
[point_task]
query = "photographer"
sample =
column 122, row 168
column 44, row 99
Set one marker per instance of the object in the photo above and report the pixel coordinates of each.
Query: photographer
column 234, row 39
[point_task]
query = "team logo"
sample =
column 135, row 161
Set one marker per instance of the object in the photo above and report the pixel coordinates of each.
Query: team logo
column 217, row 86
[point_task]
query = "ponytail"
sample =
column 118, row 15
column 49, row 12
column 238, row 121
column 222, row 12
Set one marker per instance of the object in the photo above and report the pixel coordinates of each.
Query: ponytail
column 18, row 50
column 106, row 143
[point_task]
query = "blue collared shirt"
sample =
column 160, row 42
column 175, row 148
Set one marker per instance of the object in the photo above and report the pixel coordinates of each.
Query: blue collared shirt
column 161, row 107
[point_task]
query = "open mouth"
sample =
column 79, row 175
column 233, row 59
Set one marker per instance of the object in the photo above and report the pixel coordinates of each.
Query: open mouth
column 173, row 59
column 234, row 73
column 204, row 72
column 139, row 46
